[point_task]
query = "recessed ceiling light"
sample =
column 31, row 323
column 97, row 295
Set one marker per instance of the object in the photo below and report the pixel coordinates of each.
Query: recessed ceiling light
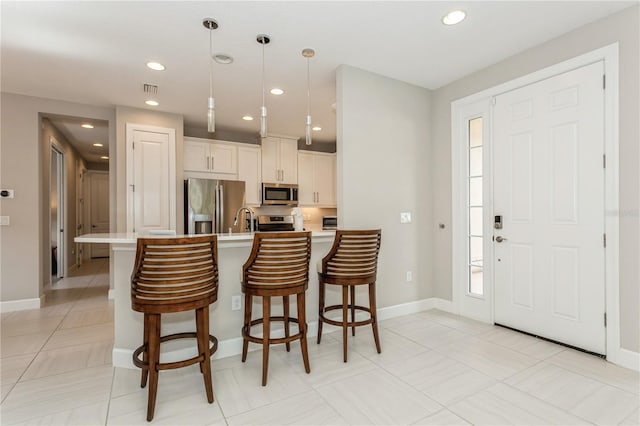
column 104, row 157
column 156, row 66
column 316, row 128
column 223, row 58
column 276, row 91
column 152, row 103
column 87, row 126
column 454, row 17
column 247, row 118
column 98, row 145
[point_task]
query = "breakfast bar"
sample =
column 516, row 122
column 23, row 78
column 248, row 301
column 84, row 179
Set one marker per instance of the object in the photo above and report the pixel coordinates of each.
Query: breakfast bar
column 225, row 322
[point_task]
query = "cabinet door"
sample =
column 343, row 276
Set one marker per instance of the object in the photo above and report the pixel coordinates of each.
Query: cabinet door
column 249, row 170
column 270, row 170
column 289, row 161
column 306, row 190
column 324, row 180
column 222, row 158
column 195, row 156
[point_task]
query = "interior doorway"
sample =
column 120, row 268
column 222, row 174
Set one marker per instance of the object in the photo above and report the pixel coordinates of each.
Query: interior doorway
column 57, row 211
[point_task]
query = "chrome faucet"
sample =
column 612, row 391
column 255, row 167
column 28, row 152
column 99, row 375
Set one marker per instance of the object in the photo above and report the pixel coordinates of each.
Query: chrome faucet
column 251, row 222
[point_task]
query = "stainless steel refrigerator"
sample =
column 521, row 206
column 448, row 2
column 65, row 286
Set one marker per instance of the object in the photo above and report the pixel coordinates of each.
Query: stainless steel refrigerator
column 211, row 206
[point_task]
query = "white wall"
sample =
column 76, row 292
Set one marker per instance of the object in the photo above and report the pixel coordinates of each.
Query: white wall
column 24, row 168
column 622, row 27
column 383, row 169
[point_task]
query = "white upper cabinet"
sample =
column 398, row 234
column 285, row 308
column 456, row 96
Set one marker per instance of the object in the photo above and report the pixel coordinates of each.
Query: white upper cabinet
column 209, row 156
column 316, row 179
column 250, row 171
column 279, row 160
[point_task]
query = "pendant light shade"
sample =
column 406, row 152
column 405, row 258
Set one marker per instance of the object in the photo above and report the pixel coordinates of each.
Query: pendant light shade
column 211, row 25
column 263, row 39
column 308, row 53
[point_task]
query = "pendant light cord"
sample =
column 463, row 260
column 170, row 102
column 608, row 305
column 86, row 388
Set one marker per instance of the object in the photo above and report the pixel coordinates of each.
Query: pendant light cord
column 210, row 63
column 308, row 90
column 263, row 43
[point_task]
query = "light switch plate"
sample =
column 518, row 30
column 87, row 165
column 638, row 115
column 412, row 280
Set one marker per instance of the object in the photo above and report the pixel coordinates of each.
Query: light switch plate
column 4, row 221
column 405, row 217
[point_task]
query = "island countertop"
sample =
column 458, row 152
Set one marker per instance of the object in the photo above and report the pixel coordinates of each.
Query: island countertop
column 132, row 237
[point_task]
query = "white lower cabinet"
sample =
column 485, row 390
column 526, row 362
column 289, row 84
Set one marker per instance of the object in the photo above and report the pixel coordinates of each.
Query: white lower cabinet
column 316, row 179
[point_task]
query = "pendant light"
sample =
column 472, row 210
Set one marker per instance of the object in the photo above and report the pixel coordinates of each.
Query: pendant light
column 211, row 25
column 308, row 53
column 263, row 39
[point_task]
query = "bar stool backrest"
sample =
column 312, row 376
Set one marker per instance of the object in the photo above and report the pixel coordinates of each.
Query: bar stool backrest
column 354, row 256
column 174, row 274
column 278, row 259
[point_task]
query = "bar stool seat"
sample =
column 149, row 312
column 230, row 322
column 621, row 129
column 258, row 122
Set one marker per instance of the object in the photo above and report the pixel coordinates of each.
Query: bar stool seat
column 351, row 262
column 174, row 275
column 278, row 266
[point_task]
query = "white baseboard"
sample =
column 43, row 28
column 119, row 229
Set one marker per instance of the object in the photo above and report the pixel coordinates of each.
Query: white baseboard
column 627, row 359
column 231, row 347
column 22, row 304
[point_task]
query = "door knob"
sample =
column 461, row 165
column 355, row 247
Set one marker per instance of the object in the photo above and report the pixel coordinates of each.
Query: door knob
column 500, row 239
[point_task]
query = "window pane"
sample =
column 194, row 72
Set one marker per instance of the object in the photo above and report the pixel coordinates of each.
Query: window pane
column 475, row 280
column 475, row 191
column 475, row 251
column 475, row 221
column 475, row 162
column 475, row 132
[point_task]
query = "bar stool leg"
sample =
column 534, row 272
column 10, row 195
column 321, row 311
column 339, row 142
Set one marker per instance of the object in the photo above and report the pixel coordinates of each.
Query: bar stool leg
column 374, row 312
column 345, row 320
column 266, row 317
column 352, row 291
column 145, row 353
column 248, row 304
column 285, row 305
column 302, row 328
column 154, row 359
column 202, row 332
column 320, row 307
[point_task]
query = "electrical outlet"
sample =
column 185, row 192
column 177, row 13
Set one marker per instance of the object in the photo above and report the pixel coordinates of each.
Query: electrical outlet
column 405, row 217
column 236, row 303
column 409, row 276
column 4, row 221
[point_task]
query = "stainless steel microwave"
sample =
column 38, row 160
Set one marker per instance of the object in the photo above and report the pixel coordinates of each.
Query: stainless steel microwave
column 279, row 194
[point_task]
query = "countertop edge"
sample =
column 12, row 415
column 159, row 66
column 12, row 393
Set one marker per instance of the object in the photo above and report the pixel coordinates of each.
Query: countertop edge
column 131, row 238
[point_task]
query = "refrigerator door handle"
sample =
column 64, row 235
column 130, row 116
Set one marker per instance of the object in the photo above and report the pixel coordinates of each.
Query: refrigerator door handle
column 221, row 207
column 217, row 224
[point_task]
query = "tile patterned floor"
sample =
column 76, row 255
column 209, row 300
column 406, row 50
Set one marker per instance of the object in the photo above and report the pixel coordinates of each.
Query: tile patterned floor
column 435, row 369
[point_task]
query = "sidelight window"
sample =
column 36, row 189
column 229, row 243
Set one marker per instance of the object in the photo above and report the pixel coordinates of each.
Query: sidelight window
column 475, row 266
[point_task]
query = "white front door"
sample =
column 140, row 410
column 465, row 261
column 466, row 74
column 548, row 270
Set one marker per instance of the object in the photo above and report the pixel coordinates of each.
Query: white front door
column 548, row 187
column 99, row 207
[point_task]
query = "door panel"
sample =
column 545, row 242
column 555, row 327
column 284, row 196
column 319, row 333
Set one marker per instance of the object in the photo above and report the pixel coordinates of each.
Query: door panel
column 99, row 197
column 153, row 183
column 549, row 187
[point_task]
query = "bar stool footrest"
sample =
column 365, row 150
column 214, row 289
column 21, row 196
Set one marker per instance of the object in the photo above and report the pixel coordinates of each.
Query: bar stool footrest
column 349, row 323
column 176, row 364
column 291, row 338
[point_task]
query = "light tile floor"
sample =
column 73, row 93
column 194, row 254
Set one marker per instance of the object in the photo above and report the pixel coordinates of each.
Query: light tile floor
column 435, row 369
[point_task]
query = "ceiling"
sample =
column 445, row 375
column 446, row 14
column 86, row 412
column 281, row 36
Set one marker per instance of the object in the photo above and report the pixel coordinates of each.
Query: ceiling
column 95, row 52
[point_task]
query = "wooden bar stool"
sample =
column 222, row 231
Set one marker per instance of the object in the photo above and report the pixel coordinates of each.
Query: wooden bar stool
column 174, row 275
column 352, row 261
column 277, row 266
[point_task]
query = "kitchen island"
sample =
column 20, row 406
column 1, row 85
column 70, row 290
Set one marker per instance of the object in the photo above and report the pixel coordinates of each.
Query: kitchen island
column 225, row 323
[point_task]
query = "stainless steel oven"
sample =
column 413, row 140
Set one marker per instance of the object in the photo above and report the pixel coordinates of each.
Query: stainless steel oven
column 279, row 194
